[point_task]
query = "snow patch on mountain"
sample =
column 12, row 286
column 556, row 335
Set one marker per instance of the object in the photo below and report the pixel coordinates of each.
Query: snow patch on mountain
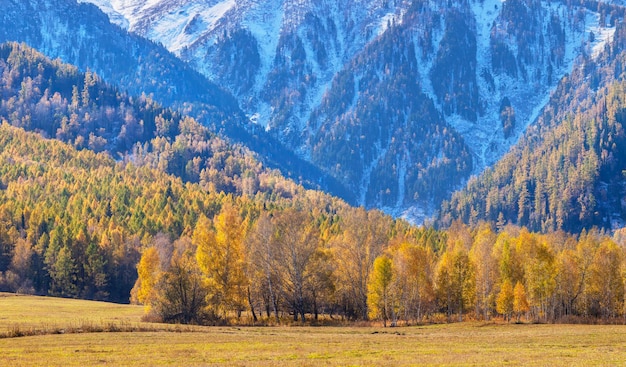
column 385, row 22
column 107, row 7
column 485, row 137
column 601, row 37
column 182, row 26
column 265, row 24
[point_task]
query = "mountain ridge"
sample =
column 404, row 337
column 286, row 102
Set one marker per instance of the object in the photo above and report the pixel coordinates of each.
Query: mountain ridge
column 294, row 54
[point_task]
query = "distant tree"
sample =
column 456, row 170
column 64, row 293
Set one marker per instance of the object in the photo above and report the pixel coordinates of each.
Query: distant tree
column 21, row 265
column 64, row 274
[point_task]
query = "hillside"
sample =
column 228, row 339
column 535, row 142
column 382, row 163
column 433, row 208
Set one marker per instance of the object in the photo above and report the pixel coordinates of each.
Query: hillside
column 399, row 101
column 101, row 200
column 78, row 224
column 567, row 170
column 81, row 35
column 59, row 101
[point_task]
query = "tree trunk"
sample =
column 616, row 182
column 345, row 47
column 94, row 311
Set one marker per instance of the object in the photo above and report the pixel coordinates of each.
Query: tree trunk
column 251, row 306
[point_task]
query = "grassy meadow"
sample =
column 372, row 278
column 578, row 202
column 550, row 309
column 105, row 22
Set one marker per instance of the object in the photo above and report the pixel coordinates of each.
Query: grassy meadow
column 140, row 344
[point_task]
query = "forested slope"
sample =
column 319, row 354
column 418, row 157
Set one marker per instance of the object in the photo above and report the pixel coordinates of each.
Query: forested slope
column 566, row 172
column 80, row 34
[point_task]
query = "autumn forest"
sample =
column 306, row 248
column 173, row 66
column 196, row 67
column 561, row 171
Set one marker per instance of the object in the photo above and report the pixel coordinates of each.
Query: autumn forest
column 134, row 202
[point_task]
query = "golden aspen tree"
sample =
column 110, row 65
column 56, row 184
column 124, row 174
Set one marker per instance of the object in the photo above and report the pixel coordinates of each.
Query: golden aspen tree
column 540, row 272
column 606, row 284
column 149, row 273
column 456, row 281
column 510, row 263
column 413, row 280
column 573, row 270
column 520, row 302
column 356, row 249
column 379, row 291
column 486, row 269
column 21, row 265
column 505, row 300
column 221, row 259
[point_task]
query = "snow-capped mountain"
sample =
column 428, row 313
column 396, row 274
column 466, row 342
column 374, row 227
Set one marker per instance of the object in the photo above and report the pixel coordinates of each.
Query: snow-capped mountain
column 399, row 100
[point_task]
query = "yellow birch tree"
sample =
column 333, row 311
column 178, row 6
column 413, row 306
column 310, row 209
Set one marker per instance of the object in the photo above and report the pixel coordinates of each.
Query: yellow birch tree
column 220, row 257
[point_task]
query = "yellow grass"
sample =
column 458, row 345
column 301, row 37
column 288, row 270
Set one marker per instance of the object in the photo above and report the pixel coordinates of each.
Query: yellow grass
column 454, row 344
column 31, row 312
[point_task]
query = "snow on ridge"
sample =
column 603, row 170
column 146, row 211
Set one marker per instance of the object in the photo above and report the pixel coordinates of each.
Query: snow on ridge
column 114, row 16
column 387, row 19
column 182, row 26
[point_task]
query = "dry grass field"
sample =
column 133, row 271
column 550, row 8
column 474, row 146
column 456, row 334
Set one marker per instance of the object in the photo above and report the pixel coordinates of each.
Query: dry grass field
column 143, row 344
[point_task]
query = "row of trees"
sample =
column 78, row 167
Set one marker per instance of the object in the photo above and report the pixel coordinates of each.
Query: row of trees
column 360, row 266
column 512, row 273
column 283, row 262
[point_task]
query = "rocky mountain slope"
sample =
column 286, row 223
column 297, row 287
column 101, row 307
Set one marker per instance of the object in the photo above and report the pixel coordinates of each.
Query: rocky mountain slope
column 323, row 77
column 567, row 172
